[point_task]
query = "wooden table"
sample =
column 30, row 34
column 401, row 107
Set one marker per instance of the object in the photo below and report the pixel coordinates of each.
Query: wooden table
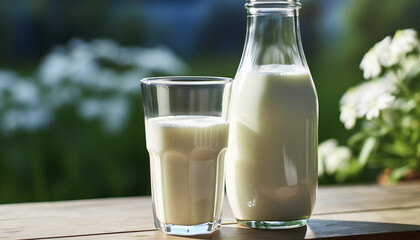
column 346, row 212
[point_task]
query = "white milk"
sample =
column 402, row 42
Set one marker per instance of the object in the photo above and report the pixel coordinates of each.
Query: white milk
column 187, row 173
column 272, row 152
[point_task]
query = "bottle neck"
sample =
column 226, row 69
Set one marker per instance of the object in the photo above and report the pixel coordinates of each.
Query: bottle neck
column 273, row 35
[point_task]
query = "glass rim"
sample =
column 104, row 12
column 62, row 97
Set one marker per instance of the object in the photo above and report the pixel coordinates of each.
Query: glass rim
column 273, row 4
column 185, row 80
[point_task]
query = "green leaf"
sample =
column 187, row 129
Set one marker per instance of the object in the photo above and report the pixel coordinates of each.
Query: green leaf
column 393, row 162
column 352, row 169
column 367, row 149
column 413, row 163
column 383, row 131
column 398, row 173
column 418, row 151
column 415, row 136
column 402, row 149
column 355, row 138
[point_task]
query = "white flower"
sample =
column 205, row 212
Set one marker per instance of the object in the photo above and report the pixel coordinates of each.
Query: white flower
column 337, row 159
column 129, row 82
column 386, row 83
column 348, row 115
column 350, row 96
column 79, row 50
column 105, row 48
column 90, row 108
column 410, row 67
column 321, row 167
column 405, row 105
column 332, row 157
column 370, row 65
column 388, row 58
column 372, row 103
column 159, row 59
column 6, row 79
column 324, row 149
column 383, row 50
column 54, row 68
column 348, row 107
column 29, row 119
column 115, row 112
column 371, row 62
column 36, row 117
column 107, row 80
column 76, row 74
column 404, row 41
column 83, row 72
column 383, row 45
column 367, row 99
column 24, row 92
column 58, row 96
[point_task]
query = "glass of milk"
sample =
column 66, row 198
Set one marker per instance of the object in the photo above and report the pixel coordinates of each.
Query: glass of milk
column 186, row 137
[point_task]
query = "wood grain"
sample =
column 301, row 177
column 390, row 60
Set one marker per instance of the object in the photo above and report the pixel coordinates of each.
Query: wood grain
column 345, row 211
column 370, row 197
column 49, row 219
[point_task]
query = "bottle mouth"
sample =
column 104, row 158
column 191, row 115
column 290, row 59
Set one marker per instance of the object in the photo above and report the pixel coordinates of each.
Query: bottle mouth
column 273, row 5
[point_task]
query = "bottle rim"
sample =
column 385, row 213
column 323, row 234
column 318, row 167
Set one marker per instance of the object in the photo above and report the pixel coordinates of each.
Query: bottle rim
column 273, row 4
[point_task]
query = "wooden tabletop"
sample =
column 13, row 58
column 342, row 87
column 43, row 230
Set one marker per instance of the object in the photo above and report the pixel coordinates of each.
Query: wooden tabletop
column 350, row 212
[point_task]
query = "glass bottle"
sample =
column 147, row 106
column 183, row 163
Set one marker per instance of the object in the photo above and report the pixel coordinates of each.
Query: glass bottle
column 271, row 164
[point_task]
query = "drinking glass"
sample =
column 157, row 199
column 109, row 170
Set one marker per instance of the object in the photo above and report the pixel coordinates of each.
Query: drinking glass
column 186, row 136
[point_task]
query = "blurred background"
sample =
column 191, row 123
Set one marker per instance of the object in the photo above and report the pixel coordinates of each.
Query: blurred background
column 71, row 121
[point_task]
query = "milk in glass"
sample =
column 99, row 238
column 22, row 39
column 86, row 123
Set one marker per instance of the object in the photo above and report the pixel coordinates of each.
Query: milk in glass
column 187, row 167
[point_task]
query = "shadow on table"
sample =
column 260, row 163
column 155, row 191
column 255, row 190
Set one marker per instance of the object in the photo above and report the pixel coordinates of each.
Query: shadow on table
column 319, row 228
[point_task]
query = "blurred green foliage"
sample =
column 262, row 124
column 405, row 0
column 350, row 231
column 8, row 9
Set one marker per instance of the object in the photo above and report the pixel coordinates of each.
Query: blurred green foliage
column 74, row 158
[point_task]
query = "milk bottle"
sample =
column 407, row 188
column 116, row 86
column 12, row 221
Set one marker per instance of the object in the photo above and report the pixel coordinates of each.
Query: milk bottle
column 271, row 162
